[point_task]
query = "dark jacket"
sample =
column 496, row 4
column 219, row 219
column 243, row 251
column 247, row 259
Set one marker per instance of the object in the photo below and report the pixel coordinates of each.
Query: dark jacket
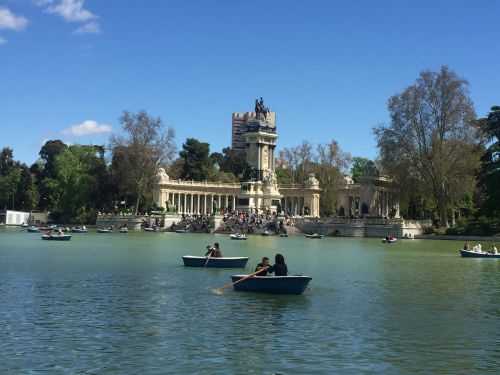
column 263, row 272
column 278, row 270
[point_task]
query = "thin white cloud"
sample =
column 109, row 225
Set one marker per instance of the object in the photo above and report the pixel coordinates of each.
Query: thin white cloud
column 89, row 28
column 88, row 127
column 10, row 21
column 72, row 11
column 3, row 41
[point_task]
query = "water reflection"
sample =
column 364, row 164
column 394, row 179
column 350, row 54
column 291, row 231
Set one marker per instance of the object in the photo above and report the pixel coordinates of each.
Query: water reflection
column 125, row 305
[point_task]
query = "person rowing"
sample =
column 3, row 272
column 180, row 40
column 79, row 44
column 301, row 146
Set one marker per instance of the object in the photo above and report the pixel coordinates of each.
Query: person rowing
column 214, row 252
column 263, row 267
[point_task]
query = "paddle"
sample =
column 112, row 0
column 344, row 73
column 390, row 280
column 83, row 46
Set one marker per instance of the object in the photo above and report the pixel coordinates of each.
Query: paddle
column 220, row 290
column 208, row 258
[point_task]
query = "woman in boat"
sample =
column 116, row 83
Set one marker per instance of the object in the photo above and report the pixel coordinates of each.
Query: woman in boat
column 263, row 265
column 279, row 268
column 466, row 246
column 214, row 252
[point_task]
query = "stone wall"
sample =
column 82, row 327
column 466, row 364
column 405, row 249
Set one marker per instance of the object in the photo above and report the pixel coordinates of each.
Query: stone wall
column 134, row 222
column 362, row 227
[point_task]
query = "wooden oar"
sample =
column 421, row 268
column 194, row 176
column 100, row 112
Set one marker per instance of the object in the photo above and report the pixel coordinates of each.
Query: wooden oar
column 208, row 258
column 221, row 289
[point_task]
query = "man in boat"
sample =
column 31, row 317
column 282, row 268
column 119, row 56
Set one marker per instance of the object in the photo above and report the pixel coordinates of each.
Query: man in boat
column 214, row 252
column 279, row 268
column 262, row 267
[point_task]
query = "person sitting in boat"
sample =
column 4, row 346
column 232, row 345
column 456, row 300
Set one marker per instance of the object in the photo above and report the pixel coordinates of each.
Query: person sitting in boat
column 279, row 268
column 494, row 250
column 466, row 246
column 263, row 265
column 214, row 252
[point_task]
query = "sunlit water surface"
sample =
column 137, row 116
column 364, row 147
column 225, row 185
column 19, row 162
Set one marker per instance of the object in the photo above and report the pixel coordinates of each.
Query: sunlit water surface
column 124, row 304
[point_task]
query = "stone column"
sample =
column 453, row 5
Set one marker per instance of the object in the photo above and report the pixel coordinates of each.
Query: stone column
column 184, row 209
column 205, row 204
column 234, row 202
column 258, row 160
column 227, row 202
column 198, row 209
column 178, row 203
column 218, row 203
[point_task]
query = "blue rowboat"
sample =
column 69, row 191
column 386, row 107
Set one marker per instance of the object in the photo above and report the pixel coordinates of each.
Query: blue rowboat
column 56, row 237
column 33, row 229
column 225, row 262
column 474, row 254
column 272, row 284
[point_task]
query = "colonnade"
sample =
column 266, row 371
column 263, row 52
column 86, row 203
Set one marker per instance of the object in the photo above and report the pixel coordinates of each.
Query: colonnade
column 293, row 205
column 199, row 203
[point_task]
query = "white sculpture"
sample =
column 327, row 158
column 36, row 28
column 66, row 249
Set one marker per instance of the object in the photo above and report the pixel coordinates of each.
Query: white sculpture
column 162, row 175
column 312, row 180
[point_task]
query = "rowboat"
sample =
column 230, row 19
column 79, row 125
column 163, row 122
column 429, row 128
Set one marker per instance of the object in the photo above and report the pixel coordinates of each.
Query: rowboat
column 33, row 229
column 56, row 237
column 476, row 254
column 266, row 233
column 314, row 236
column 225, row 262
column 237, row 236
column 79, row 230
column 389, row 240
column 284, row 235
column 149, row 229
column 272, row 284
column 124, row 230
column 181, row 231
column 104, row 230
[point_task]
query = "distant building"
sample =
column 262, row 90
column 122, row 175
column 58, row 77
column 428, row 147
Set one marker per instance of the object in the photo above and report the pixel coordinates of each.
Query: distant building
column 256, row 136
column 9, row 217
column 240, row 122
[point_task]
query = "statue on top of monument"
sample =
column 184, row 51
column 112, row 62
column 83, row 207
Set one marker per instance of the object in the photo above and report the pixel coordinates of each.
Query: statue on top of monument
column 261, row 110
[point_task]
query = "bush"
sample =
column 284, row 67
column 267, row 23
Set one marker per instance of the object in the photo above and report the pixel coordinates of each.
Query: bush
column 481, row 226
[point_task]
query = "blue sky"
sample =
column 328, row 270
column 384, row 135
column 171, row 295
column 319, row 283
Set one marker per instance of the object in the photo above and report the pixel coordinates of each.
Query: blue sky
column 326, row 67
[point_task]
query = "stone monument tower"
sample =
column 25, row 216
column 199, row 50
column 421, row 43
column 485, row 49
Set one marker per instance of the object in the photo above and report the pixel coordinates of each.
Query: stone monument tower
column 260, row 137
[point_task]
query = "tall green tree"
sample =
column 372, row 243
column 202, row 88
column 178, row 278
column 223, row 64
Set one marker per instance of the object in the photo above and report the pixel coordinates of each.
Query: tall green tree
column 363, row 167
column 146, row 146
column 489, row 176
column 197, row 164
column 45, row 173
column 431, row 137
column 17, row 188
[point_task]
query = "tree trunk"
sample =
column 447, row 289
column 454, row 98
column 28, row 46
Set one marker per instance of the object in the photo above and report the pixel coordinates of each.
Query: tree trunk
column 137, row 204
column 443, row 214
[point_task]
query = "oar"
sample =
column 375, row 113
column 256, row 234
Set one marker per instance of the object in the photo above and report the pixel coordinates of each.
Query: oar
column 208, row 258
column 221, row 289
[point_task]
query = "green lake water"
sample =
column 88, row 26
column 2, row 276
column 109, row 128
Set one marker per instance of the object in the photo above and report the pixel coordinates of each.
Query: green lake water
column 124, row 304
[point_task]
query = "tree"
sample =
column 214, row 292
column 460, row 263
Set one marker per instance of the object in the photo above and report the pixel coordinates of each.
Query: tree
column 17, row 189
column 328, row 162
column 81, row 180
column 359, row 166
column 233, row 162
column 431, row 138
column 489, row 176
column 45, row 173
column 48, row 153
column 197, row 163
column 147, row 146
column 331, row 164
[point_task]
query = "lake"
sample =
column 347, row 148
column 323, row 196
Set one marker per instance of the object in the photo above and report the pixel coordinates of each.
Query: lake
column 124, row 304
